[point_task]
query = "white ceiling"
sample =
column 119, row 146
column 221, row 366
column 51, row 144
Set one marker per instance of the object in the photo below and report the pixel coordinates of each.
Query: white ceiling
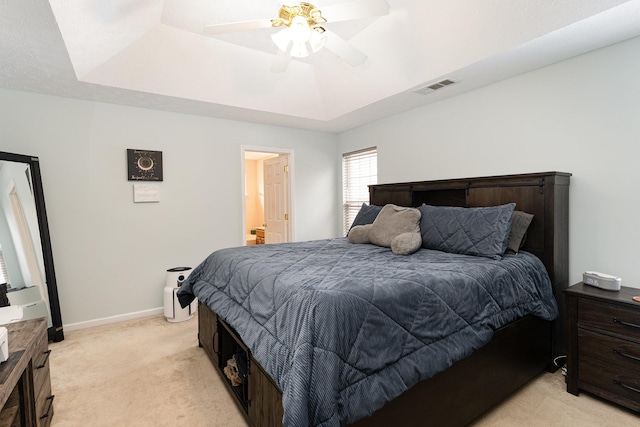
column 153, row 54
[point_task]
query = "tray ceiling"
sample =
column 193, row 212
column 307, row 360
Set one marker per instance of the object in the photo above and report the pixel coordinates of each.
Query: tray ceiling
column 154, row 54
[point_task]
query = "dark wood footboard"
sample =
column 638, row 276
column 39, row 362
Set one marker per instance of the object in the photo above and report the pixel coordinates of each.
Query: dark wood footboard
column 516, row 354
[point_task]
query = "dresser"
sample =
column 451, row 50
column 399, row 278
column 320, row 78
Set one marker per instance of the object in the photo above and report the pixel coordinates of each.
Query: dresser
column 25, row 381
column 603, row 349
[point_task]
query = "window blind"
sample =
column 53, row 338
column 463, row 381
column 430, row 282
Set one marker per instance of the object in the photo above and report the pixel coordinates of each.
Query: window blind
column 359, row 170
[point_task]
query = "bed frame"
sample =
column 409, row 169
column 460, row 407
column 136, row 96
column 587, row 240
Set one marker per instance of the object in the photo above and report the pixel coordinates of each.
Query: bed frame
column 517, row 353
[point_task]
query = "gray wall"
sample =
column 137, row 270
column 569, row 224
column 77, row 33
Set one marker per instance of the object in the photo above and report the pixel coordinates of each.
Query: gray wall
column 580, row 116
column 111, row 254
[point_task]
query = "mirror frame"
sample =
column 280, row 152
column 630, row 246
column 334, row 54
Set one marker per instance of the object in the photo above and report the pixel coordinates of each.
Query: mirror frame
column 55, row 332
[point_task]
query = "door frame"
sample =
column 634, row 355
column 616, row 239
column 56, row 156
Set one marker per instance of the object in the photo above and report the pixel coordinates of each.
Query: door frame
column 290, row 186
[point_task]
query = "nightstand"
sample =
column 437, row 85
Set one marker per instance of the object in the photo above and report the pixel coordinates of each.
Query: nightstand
column 604, row 344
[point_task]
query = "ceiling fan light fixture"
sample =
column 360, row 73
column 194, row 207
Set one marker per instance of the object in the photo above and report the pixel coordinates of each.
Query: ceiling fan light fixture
column 317, row 39
column 294, row 46
column 299, row 50
column 299, row 30
column 302, row 30
column 282, row 39
column 301, row 26
column 299, row 33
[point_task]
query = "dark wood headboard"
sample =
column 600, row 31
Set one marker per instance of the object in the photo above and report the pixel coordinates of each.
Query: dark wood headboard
column 545, row 195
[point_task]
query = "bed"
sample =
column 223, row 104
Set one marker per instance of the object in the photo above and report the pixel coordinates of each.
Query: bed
column 337, row 333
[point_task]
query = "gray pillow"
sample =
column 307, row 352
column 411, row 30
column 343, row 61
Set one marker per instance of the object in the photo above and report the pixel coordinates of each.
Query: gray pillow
column 469, row 231
column 366, row 215
column 519, row 225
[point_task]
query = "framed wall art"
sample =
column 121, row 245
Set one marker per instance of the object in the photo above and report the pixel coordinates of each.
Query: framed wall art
column 144, row 165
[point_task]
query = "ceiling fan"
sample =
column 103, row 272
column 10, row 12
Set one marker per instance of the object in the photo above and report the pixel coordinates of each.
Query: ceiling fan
column 304, row 25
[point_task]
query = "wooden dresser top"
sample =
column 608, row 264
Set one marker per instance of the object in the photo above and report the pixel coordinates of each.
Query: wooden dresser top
column 23, row 337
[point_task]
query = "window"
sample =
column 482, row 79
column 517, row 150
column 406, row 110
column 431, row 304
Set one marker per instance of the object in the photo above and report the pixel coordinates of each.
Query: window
column 31, row 272
column 359, row 170
column 4, row 277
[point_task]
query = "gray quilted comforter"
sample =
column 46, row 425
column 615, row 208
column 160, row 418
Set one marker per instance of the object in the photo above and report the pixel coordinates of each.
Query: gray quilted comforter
column 344, row 328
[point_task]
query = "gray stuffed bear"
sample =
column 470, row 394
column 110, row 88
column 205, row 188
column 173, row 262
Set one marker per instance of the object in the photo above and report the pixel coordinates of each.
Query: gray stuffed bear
column 395, row 227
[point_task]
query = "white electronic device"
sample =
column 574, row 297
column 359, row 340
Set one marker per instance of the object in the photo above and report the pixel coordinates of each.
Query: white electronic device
column 601, row 280
column 172, row 309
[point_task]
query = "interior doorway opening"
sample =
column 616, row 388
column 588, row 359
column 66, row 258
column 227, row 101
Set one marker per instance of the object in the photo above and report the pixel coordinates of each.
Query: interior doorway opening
column 267, row 206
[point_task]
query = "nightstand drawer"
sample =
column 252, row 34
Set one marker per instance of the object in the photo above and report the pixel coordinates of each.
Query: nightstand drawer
column 610, row 364
column 609, row 317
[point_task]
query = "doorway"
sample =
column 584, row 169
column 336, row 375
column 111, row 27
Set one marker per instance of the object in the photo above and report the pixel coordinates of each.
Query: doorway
column 267, row 177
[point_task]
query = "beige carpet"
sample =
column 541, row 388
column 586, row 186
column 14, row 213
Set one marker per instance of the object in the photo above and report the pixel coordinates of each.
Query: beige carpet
column 145, row 372
column 149, row 372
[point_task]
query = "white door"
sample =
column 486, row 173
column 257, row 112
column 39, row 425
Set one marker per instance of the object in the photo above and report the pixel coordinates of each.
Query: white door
column 276, row 205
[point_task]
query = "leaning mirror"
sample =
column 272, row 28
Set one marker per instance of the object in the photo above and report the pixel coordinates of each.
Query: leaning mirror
column 27, row 275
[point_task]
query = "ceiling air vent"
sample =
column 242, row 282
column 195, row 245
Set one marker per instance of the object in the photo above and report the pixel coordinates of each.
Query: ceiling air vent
column 434, row 86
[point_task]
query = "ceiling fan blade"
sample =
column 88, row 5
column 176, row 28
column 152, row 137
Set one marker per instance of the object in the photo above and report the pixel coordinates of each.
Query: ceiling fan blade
column 344, row 49
column 235, row 27
column 281, row 62
column 357, row 9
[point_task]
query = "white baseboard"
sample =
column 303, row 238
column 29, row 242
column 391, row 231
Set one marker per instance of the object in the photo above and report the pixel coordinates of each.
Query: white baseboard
column 113, row 319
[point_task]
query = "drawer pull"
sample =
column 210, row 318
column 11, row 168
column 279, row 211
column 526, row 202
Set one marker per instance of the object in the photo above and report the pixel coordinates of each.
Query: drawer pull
column 47, row 353
column 628, row 356
column 216, row 351
column 628, row 387
column 46, row 414
column 620, row 322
